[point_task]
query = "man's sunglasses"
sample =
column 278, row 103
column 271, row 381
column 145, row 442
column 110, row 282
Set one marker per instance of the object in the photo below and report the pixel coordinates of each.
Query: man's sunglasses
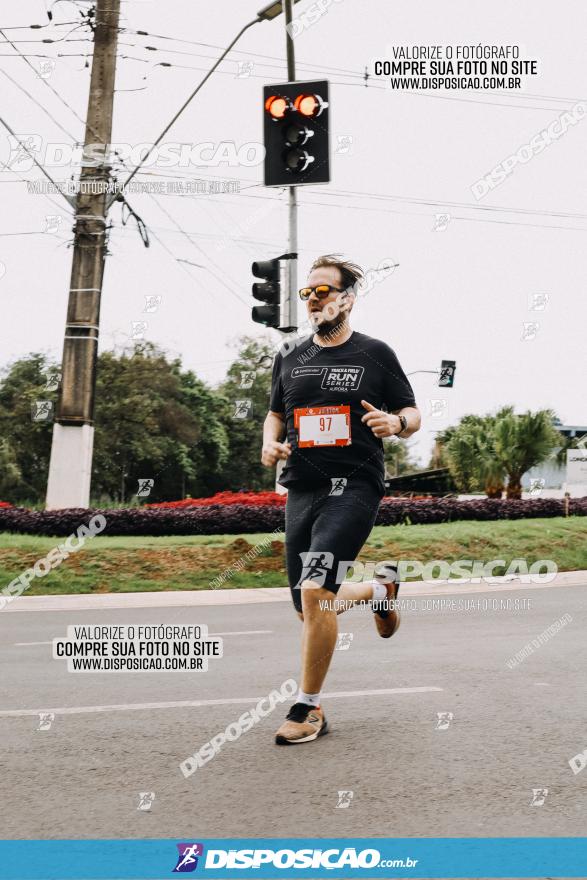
column 321, row 291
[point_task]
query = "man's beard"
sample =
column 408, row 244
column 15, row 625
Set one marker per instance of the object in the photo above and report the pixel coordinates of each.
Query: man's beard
column 325, row 327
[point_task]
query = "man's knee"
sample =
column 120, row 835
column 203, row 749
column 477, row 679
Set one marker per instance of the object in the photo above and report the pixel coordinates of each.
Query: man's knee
column 315, row 598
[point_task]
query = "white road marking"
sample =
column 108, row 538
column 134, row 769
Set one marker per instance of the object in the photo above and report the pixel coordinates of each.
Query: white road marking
column 238, row 632
column 190, row 704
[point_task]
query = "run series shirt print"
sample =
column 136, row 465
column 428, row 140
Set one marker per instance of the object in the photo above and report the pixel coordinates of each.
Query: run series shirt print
column 311, row 376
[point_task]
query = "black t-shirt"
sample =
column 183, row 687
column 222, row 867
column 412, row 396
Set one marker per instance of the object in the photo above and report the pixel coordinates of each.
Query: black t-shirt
column 310, row 375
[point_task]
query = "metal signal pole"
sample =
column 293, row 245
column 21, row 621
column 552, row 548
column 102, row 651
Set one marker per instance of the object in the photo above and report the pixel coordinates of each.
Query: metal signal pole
column 293, row 204
column 73, row 433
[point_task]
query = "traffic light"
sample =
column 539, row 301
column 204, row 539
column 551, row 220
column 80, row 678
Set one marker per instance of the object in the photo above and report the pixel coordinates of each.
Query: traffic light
column 447, row 374
column 295, row 131
column 275, row 292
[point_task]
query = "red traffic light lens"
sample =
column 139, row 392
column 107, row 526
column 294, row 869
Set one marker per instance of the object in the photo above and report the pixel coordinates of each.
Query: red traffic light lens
column 277, row 106
column 309, row 105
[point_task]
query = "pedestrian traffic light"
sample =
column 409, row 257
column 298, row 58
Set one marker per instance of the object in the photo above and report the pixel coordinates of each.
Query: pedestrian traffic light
column 447, row 374
column 295, row 131
column 275, row 292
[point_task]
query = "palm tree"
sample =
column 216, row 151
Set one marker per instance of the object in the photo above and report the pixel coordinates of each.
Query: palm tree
column 567, row 443
column 521, row 442
column 485, row 450
column 471, row 456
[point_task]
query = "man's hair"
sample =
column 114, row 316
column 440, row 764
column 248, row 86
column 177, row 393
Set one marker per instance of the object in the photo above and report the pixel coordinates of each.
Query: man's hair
column 350, row 273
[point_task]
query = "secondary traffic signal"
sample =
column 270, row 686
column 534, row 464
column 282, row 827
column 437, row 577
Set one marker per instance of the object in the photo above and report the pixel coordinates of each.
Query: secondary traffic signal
column 274, row 291
column 447, row 374
column 296, row 137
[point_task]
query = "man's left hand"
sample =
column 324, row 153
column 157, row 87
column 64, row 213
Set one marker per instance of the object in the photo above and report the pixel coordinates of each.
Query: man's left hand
column 381, row 423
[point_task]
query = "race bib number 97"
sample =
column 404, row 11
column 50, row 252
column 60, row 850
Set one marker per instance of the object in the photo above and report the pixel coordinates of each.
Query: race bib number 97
column 323, row 425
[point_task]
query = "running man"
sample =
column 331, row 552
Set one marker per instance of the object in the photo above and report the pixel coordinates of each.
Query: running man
column 334, row 396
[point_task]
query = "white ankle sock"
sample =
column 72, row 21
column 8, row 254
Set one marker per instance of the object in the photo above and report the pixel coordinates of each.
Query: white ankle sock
column 379, row 591
column 308, row 699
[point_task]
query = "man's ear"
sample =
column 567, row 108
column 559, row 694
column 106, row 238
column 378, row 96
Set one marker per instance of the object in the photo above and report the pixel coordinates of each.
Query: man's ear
column 347, row 299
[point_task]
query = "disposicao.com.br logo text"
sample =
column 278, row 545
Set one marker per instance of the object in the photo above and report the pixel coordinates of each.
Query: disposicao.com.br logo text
column 329, row 859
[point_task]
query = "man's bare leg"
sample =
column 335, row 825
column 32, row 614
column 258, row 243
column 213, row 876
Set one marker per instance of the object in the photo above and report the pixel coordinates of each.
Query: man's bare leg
column 350, row 593
column 319, row 636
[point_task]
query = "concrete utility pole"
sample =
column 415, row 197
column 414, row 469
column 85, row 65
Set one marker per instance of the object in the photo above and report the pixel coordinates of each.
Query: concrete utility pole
column 70, row 467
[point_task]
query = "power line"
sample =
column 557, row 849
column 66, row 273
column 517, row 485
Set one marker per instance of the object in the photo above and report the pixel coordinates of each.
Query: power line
column 219, row 279
column 197, row 246
column 193, row 94
column 33, row 157
column 44, row 109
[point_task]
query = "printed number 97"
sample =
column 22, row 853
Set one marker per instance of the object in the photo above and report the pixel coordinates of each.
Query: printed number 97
column 323, row 421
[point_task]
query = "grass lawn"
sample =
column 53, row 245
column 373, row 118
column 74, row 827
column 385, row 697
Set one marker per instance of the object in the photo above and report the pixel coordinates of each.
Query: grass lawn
column 129, row 564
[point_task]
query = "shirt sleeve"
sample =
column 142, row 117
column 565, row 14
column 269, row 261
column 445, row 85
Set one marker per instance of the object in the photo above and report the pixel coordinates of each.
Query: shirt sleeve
column 276, row 399
column 397, row 391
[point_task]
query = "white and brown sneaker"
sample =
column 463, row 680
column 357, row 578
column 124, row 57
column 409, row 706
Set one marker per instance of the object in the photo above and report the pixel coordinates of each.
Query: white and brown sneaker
column 303, row 724
column 387, row 616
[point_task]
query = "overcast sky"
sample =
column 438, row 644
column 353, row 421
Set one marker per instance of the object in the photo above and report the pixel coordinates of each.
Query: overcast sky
column 462, row 292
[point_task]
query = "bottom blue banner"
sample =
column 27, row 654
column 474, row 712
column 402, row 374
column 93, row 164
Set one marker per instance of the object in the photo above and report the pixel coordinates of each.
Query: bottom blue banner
column 288, row 857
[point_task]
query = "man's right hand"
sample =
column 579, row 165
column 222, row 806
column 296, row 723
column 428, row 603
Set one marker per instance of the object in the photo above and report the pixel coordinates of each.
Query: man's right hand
column 273, row 451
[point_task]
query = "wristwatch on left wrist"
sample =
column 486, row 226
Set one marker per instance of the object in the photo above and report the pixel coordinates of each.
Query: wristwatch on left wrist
column 403, row 423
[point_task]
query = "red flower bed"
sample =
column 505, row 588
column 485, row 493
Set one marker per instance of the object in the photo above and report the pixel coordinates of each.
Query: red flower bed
column 5, row 504
column 254, row 499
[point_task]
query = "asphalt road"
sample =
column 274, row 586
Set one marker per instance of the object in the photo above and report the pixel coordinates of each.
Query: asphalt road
column 512, row 731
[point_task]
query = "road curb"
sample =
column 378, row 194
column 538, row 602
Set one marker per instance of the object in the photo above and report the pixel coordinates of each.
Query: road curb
column 253, row 596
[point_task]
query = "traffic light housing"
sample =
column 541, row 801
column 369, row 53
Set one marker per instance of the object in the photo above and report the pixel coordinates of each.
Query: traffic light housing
column 275, row 291
column 447, row 374
column 296, row 133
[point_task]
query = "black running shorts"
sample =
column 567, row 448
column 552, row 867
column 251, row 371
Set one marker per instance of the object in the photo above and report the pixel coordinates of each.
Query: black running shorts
column 323, row 531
